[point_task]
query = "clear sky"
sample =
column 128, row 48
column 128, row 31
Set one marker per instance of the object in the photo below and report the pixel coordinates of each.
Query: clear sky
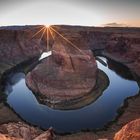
column 73, row 12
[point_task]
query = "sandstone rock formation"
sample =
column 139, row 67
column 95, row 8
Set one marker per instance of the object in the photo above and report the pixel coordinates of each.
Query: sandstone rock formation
column 64, row 76
column 119, row 44
column 22, row 131
column 17, row 46
column 130, row 131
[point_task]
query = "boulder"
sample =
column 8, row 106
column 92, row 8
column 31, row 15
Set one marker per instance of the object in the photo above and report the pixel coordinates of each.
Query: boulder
column 130, row 131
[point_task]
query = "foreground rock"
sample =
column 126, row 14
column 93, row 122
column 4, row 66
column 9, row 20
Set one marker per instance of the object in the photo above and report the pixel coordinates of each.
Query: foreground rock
column 7, row 137
column 19, row 130
column 63, row 76
column 130, row 131
column 22, row 131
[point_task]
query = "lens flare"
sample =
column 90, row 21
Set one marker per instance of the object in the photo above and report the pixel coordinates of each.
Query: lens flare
column 49, row 30
column 38, row 32
column 47, row 25
column 68, row 41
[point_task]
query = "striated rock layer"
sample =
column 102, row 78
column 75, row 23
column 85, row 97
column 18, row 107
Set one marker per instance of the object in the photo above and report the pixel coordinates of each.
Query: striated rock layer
column 17, row 46
column 64, row 76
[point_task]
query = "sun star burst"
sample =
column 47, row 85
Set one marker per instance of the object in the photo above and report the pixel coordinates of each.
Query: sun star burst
column 49, row 30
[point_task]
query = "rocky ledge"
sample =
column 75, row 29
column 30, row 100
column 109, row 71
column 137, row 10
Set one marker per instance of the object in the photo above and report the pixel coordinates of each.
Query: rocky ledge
column 64, row 76
column 22, row 131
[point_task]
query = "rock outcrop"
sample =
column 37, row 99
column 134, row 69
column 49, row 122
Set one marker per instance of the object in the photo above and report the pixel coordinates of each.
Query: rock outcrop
column 64, row 76
column 130, row 131
column 22, row 131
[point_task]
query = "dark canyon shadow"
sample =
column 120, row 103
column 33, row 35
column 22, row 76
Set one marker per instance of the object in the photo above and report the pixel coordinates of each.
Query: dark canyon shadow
column 120, row 69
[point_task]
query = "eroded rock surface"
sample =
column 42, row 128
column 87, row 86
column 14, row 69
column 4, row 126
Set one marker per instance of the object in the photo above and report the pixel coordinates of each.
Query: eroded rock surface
column 19, row 130
column 64, row 75
column 22, row 131
column 130, row 131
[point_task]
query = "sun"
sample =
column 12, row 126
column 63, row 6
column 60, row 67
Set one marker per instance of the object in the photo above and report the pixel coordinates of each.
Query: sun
column 47, row 25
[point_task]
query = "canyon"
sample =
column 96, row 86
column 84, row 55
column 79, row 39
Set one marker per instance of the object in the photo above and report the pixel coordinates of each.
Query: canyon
column 68, row 65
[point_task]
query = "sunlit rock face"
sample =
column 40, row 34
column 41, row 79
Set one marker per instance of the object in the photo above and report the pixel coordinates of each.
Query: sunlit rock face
column 64, row 76
column 130, row 131
column 18, row 131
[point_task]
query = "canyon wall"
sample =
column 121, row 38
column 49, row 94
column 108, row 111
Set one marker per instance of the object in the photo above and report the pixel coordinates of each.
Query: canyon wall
column 20, row 43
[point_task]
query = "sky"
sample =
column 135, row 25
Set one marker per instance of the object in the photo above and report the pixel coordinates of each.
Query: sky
column 71, row 12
